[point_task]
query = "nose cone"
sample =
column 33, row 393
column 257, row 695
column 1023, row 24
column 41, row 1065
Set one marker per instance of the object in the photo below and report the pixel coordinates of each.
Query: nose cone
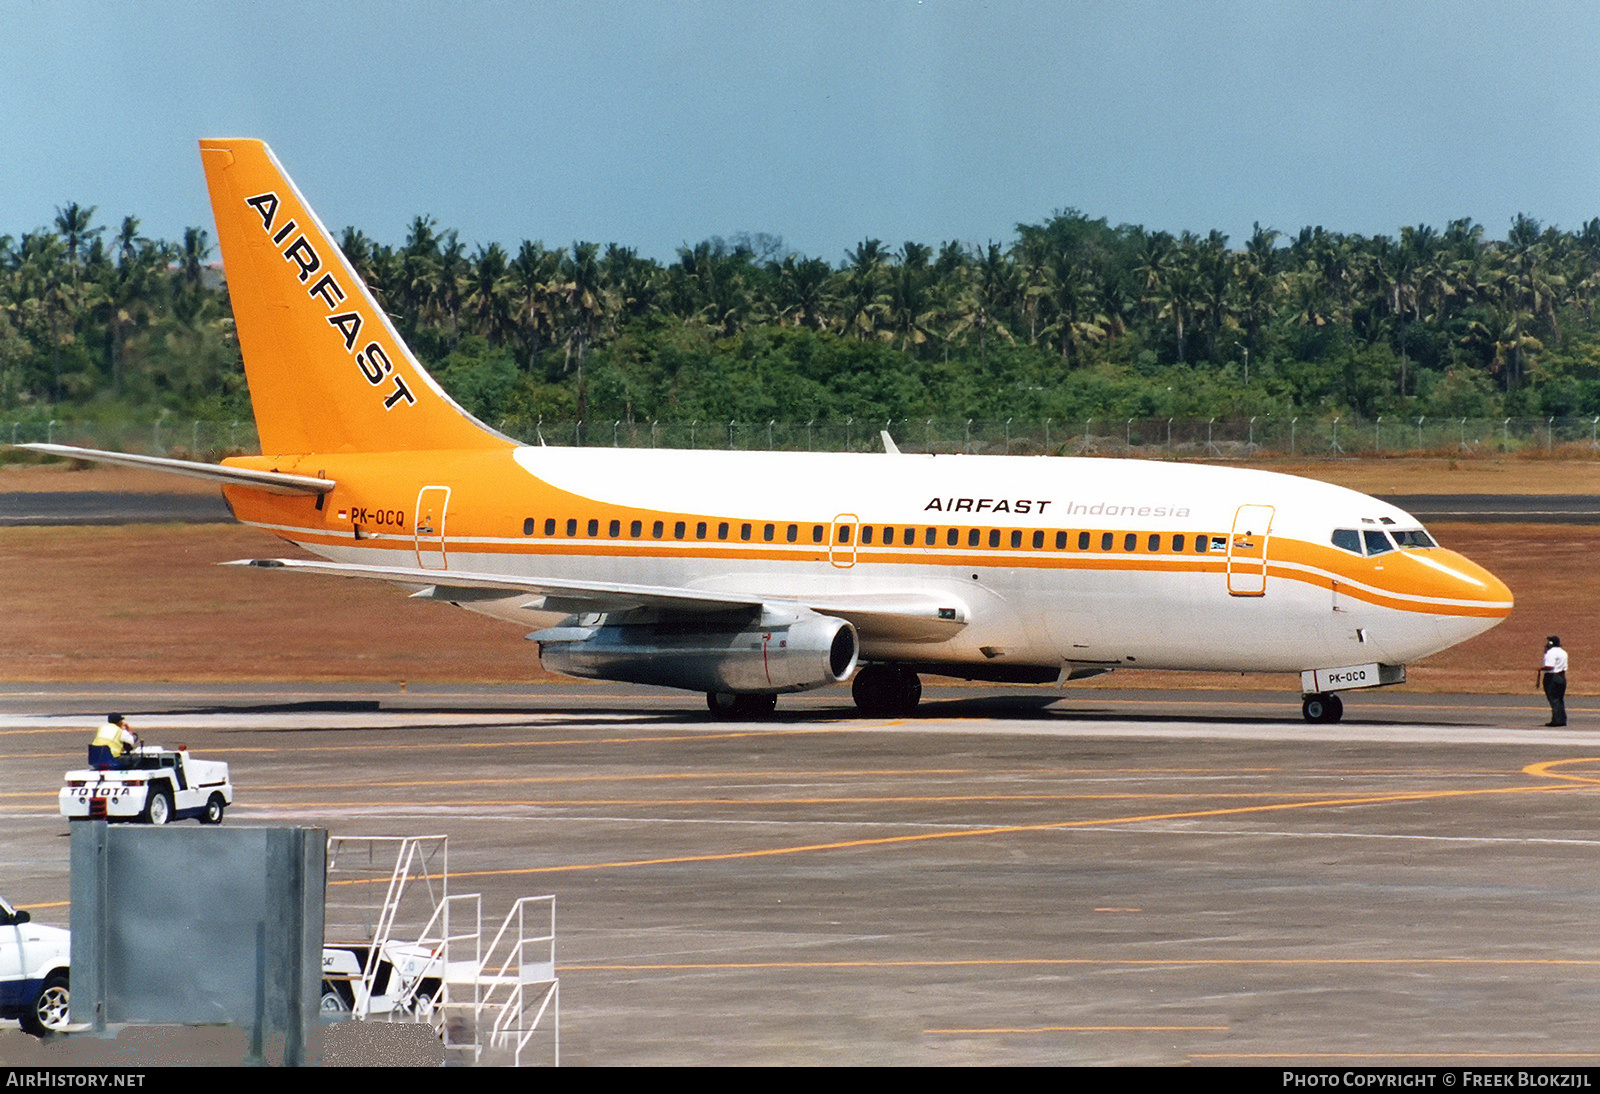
column 1468, row 599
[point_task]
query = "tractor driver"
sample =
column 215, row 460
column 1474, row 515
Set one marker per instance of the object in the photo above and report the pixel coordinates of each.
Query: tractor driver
column 112, row 744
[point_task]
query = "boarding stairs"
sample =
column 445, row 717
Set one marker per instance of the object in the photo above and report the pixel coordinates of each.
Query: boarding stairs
column 486, row 1002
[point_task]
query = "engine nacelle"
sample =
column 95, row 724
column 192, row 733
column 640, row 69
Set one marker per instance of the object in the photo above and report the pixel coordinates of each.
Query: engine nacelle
column 780, row 651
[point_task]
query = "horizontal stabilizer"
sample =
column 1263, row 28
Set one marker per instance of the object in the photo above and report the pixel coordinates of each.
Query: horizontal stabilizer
column 272, row 482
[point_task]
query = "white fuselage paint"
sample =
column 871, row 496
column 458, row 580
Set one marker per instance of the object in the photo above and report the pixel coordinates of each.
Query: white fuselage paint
column 1042, row 607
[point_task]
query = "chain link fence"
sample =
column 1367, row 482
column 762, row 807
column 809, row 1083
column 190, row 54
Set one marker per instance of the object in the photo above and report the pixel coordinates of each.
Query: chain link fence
column 1148, row 438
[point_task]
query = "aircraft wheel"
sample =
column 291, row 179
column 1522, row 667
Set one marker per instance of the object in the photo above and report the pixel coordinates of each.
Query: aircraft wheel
column 1322, row 708
column 885, row 690
column 727, row 706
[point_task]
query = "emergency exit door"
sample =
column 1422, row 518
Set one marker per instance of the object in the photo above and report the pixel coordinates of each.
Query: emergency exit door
column 432, row 502
column 1247, row 550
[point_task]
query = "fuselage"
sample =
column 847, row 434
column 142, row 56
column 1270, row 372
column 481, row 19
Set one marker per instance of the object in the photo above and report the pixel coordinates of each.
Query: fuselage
column 1055, row 561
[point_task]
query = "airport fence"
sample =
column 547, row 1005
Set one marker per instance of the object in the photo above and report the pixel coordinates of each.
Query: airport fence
column 1147, row 438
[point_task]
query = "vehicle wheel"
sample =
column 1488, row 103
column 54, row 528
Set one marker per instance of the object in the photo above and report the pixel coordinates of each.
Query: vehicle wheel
column 727, row 706
column 884, row 690
column 49, row 1012
column 158, row 810
column 333, row 1007
column 214, row 809
column 1322, row 708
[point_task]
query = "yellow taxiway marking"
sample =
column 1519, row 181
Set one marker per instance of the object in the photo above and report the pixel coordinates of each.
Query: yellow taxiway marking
column 1394, row 1055
column 1088, row 962
column 1005, row 830
column 1078, row 1029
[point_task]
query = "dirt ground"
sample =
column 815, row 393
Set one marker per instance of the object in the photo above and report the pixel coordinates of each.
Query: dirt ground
column 148, row 603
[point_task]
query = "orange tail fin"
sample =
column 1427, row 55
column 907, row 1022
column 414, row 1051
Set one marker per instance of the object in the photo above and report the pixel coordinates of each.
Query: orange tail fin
column 327, row 371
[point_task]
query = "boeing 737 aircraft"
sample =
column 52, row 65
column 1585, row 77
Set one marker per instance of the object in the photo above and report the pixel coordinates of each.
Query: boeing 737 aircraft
column 746, row 575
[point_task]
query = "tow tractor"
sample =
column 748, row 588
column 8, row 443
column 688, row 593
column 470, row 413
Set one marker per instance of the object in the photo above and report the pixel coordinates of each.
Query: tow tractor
column 153, row 785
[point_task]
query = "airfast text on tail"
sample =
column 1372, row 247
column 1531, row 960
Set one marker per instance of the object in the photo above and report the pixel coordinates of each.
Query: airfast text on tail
column 327, row 371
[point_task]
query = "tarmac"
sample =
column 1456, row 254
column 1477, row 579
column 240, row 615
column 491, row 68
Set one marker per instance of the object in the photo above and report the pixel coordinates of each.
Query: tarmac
column 1014, row 876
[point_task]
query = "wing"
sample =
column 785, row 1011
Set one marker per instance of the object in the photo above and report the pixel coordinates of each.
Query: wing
column 910, row 616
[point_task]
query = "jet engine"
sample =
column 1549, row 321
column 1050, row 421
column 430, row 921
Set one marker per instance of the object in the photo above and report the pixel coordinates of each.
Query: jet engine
column 778, row 650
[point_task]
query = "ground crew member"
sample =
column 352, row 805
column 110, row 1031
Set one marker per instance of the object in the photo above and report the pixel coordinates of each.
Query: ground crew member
column 112, row 743
column 1553, row 674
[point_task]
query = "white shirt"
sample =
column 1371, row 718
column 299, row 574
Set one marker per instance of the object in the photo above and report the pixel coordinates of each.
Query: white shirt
column 1555, row 659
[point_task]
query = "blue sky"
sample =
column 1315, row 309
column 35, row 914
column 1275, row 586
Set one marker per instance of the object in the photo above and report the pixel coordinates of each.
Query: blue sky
column 659, row 124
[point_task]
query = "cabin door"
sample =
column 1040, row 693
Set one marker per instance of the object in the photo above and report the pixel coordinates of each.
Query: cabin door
column 432, row 501
column 842, row 540
column 1247, row 550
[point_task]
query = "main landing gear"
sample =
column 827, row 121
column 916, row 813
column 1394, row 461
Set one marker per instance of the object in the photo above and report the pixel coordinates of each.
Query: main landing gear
column 727, row 706
column 885, row 690
column 1322, row 708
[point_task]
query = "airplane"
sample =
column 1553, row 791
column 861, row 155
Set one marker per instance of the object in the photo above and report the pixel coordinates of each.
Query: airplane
column 745, row 575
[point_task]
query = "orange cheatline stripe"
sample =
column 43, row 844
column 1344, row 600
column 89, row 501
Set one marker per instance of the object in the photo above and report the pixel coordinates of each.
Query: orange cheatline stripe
column 1000, row 830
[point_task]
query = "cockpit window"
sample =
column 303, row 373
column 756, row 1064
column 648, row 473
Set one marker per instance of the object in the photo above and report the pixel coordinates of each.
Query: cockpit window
column 1377, row 542
column 1416, row 537
column 1347, row 538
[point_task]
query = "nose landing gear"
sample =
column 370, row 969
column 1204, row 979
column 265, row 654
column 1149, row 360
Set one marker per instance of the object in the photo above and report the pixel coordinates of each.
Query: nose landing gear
column 1322, row 708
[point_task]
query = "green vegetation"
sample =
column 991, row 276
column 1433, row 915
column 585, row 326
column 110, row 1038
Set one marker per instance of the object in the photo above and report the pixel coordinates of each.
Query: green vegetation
column 1072, row 319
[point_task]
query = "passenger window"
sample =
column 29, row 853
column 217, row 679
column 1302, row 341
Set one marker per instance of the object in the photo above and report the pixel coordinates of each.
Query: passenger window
column 615, row 528
column 700, row 529
column 1130, row 542
column 722, row 530
column 866, row 533
column 793, row 533
column 636, row 529
column 1038, row 540
column 888, row 535
column 1016, row 539
column 844, row 533
column 681, row 527
column 1177, row 542
column 818, row 533
column 931, row 537
column 994, row 537
column 594, row 527
column 1377, row 542
column 1347, row 539
column 572, row 527
column 1155, row 543
column 549, row 526
column 658, row 529
column 1083, row 541
column 527, row 526
column 1061, row 541
column 910, row 538
column 1201, row 545
column 1105, row 541
column 974, row 537
column 953, row 536
column 744, row 532
column 768, row 532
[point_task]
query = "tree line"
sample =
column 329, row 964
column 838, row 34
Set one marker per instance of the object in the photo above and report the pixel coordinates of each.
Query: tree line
column 1071, row 318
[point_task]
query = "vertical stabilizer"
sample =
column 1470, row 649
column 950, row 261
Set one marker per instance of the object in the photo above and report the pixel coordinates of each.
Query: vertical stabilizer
column 327, row 371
